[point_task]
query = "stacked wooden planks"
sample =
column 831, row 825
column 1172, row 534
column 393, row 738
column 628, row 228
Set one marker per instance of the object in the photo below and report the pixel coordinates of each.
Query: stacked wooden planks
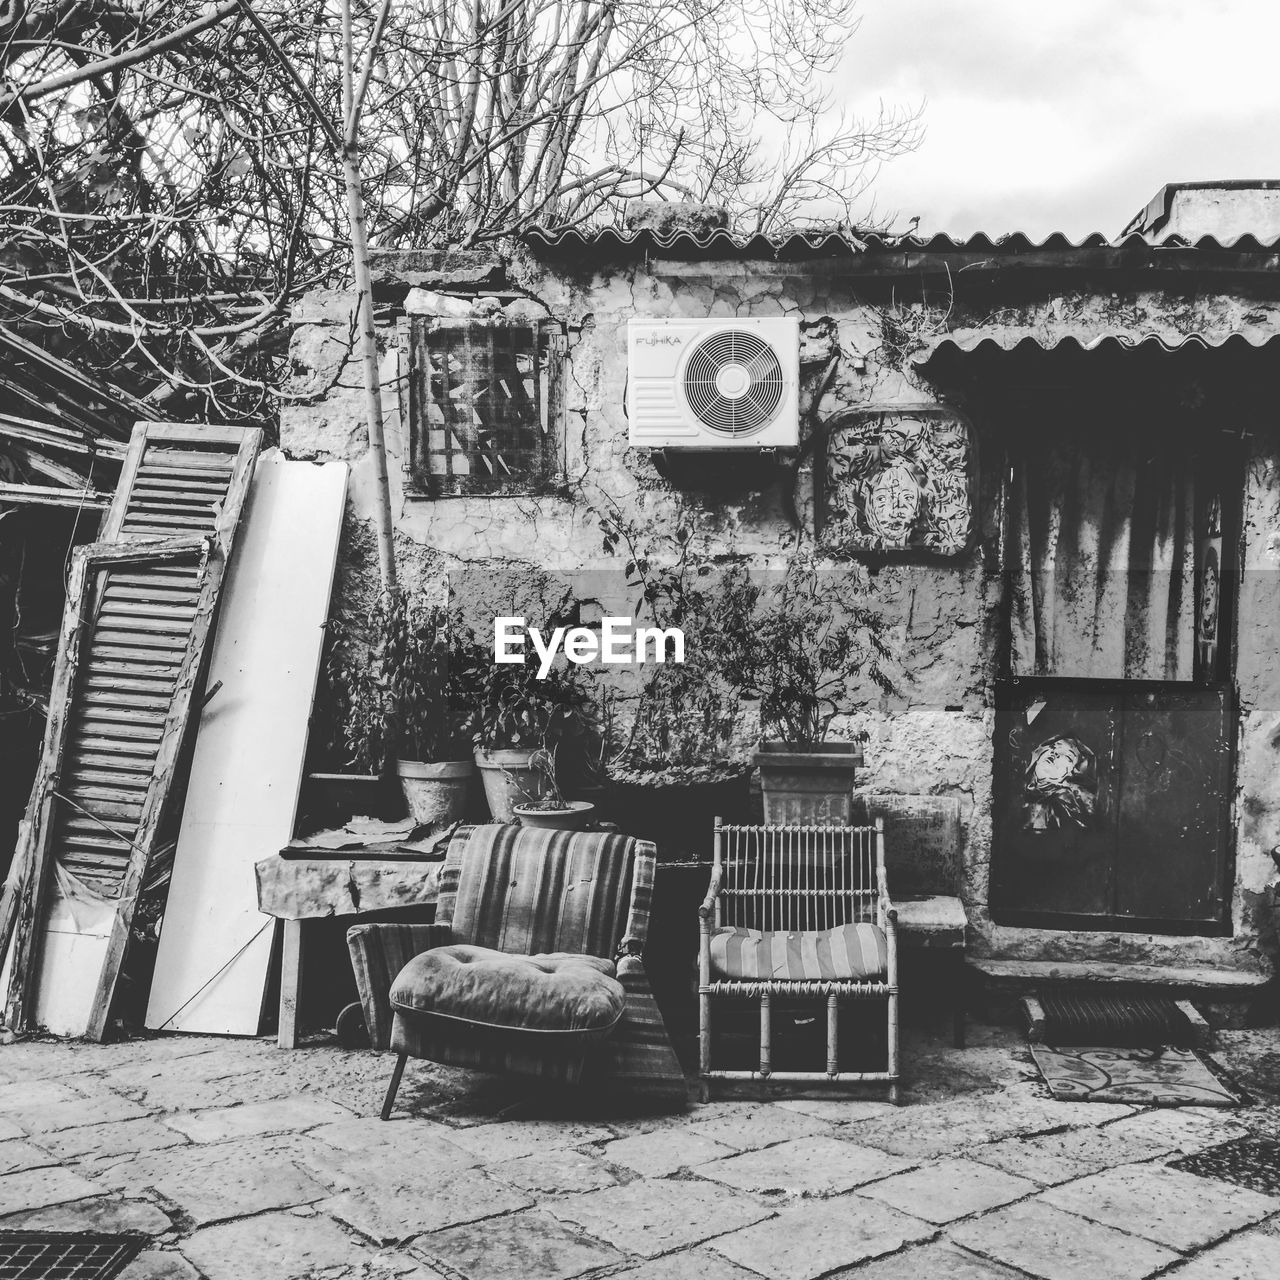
column 131, row 657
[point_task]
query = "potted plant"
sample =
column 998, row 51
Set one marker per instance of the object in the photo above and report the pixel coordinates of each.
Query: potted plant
column 683, row 759
column 396, row 705
column 511, row 714
column 817, row 645
column 547, row 807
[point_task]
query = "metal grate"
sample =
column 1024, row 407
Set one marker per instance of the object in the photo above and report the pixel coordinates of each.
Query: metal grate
column 479, row 410
column 1131, row 1021
column 1246, row 1162
column 66, row 1255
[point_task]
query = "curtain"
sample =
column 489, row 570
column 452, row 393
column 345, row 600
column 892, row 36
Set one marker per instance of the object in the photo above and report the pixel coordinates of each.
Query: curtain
column 1100, row 554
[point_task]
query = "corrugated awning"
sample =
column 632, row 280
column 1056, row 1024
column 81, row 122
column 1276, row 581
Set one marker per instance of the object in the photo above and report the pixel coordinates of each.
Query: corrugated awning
column 1006, row 340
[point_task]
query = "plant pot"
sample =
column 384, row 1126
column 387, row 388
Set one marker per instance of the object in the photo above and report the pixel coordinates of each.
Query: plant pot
column 435, row 793
column 808, row 786
column 576, row 817
column 333, row 799
column 508, row 780
column 679, row 817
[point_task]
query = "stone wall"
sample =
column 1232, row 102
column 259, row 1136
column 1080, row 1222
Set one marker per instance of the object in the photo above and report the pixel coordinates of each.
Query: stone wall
column 935, row 736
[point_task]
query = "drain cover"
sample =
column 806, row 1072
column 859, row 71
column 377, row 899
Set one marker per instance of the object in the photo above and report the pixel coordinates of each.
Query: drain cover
column 65, row 1255
column 1246, row 1162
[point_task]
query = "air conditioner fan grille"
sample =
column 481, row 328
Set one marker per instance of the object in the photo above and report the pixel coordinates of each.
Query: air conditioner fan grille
column 733, row 382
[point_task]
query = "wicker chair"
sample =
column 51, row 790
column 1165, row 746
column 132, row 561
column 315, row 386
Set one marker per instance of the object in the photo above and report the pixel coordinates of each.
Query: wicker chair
column 798, row 912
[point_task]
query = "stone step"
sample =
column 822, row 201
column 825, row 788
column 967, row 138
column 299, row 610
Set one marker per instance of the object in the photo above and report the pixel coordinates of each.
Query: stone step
column 1227, row 997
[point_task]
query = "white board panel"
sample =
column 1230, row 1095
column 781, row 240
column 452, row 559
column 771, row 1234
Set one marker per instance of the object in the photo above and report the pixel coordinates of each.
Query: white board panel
column 246, row 771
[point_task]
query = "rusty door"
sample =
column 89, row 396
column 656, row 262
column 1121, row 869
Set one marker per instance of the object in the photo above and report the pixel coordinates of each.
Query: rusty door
column 1112, row 805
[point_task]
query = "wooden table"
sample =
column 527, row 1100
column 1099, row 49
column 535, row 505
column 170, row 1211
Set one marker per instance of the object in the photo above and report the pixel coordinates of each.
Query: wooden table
column 295, row 890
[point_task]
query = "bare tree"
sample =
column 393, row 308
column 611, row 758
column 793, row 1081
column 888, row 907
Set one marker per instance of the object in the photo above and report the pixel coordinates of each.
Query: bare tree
column 173, row 173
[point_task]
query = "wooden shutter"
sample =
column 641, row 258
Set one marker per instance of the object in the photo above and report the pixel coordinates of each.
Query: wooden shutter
column 123, row 692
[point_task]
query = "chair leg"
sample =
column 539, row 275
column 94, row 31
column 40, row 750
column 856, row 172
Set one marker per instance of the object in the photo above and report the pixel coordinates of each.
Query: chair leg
column 390, row 1100
column 959, row 983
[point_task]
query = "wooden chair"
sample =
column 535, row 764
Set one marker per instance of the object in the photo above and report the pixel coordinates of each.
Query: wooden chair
column 798, row 912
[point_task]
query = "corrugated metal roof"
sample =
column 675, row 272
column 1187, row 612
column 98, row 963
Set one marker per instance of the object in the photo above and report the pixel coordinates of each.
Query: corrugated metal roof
column 606, row 241
column 1006, row 342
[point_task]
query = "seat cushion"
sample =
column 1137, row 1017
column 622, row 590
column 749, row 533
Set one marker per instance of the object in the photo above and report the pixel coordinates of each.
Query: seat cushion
column 849, row 953
column 561, row 994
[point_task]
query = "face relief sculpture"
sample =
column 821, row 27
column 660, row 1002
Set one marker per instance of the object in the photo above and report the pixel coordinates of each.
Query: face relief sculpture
column 893, row 504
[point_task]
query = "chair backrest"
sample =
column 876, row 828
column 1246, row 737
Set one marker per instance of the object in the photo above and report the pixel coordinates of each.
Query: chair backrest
column 798, row 878
column 923, row 835
column 527, row 891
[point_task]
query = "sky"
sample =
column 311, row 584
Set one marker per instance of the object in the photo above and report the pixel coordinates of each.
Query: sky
column 1067, row 116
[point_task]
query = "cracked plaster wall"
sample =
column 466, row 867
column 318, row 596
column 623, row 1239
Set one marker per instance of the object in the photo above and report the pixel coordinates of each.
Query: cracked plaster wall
column 936, row 736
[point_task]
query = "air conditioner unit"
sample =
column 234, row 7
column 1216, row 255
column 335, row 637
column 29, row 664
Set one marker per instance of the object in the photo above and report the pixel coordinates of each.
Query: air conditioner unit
column 713, row 384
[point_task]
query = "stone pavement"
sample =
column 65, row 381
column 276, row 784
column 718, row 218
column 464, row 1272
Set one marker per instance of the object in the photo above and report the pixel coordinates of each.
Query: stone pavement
column 242, row 1161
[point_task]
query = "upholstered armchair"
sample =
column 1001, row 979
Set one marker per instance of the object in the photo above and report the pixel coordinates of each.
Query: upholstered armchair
column 533, row 965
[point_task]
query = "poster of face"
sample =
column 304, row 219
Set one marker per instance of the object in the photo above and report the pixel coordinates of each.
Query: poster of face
column 1060, row 786
column 1209, row 594
column 899, row 483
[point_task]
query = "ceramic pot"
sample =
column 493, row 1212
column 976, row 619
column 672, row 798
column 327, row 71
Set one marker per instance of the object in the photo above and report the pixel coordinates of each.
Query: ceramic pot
column 508, row 780
column 577, row 817
column 808, row 787
column 435, row 793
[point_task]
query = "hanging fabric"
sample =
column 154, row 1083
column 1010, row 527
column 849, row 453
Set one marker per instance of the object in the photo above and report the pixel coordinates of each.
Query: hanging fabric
column 1100, row 555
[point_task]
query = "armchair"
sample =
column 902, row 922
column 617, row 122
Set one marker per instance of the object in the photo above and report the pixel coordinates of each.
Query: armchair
column 533, row 965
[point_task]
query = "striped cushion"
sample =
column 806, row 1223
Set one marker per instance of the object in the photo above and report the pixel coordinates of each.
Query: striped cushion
column 852, row 952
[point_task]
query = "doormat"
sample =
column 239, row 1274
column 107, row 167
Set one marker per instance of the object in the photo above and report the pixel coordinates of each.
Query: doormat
column 66, row 1255
column 1246, row 1162
column 1163, row 1077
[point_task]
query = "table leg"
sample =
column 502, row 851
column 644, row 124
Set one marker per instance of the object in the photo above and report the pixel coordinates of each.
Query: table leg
column 290, row 984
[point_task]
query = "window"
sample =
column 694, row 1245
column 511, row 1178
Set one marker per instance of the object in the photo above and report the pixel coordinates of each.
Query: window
column 484, row 406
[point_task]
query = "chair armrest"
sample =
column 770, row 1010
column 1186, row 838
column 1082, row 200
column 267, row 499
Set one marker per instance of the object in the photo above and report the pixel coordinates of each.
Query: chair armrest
column 378, row 953
column 713, row 892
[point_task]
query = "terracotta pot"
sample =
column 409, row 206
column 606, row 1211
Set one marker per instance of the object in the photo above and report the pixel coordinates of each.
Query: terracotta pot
column 576, row 817
column 508, row 780
column 808, row 787
column 435, row 793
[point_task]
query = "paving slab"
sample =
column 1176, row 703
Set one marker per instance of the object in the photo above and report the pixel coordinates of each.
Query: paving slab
column 649, row 1218
column 750, row 1125
column 29, row 1097
column 159, row 1264
column 1058, row 1157
column 272, row 1246
column 521, row 1246
column 36, row 1188
column 1052, row 1245
column 211, row 1183
column 100, row 1214
column 1251, row 1255
column 415, row 1167
column 389, row 1211
column 698, row 1263
column 812, row 1240
column 937, row 1260
column 102, row 1108
column 949, row 1189
column 1179, row 1130
column 114, row 1139
column 554, row 1172
column 10, row 1128
column 16, row 1155
column 662, row 1151
column 511, row 1139
column 817, row 1166
column 1168, row 1206
column 836, row 1110
column 256, row 1119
